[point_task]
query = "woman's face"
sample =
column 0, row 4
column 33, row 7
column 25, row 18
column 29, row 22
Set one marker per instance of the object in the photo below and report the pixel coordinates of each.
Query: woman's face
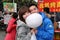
column 26, row 15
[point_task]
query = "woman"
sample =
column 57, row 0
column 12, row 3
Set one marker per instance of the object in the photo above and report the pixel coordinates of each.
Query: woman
column 23, row 31
column 11, row 29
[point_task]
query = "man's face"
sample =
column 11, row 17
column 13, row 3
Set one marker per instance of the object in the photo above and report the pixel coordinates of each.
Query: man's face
column 33, row 9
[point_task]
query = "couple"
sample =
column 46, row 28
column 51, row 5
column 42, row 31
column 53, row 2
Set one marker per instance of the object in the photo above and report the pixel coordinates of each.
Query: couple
column 43, row 32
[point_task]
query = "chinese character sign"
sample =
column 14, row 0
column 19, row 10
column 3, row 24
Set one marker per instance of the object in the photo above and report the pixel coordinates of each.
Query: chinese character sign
column 54, row 5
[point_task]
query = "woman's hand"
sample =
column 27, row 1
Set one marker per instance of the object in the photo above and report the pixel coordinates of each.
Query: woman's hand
column 33, row 31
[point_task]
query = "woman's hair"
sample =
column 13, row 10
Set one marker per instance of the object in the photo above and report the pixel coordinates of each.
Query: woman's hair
column 22, row 11
column 14, row 15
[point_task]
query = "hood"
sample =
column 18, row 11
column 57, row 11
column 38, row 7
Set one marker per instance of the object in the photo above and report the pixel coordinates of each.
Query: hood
column 43, row 15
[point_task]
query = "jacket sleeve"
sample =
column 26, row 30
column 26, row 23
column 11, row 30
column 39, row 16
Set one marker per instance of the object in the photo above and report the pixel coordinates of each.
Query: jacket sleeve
column 11, row 26
column 23, row 33
column 48, row 31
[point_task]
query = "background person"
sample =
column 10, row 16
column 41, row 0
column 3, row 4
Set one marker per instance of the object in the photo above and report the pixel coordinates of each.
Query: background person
column 11, row 29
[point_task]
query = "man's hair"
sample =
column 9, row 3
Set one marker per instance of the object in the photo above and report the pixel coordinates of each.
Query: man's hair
column 32, row 5
column 46, row 9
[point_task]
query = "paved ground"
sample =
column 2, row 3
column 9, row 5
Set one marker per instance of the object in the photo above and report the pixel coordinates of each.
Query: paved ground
column 2, row 35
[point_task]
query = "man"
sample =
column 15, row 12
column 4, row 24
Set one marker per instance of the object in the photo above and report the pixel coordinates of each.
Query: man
column 34, row 9
column 46, row 30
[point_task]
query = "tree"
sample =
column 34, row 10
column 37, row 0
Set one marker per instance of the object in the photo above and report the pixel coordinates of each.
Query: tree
column 7, row 0
column 20, row 3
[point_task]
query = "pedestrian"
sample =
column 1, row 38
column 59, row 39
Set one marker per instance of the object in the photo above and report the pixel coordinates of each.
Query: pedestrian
column 11, row 29
column 48, row 14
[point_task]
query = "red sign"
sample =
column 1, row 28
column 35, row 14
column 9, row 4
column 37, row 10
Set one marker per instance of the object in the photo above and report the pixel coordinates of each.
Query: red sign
column 54, row 5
